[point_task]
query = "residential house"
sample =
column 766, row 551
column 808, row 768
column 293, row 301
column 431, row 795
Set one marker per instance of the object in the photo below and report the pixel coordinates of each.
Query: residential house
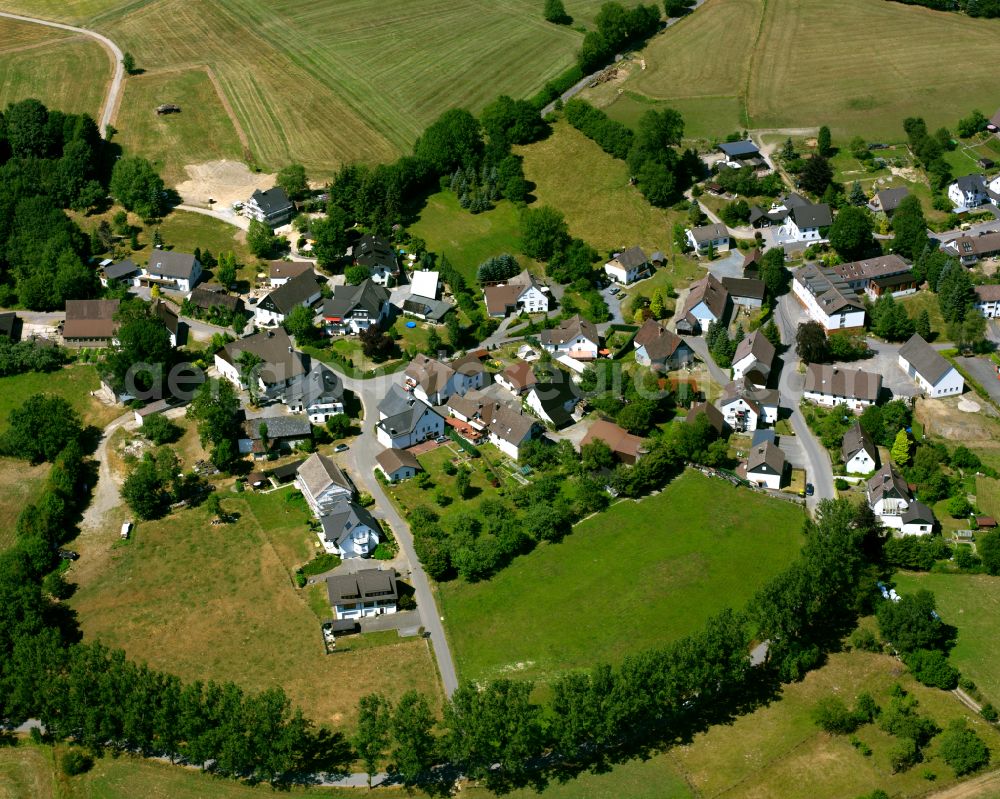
column 553, row 402
column 887, row 201
column 773, row 216
column 754, row 359
column 747, row 292
column 366, row 592
column 280, row 272
column 738, row 154
column 890, row 499
column 509, row 429
column 969, row 191
column 859, row 451
column 520, row 293
column 928, row 369
column 395, row 401
column 859, row 274
column 279, row 364
column 434, row 381
column 626, row 447
column 896, row 285
column 715, row 418
column 828, row 298
column 659, row 348
column 323, row 484
column 302, row 290
column 168, row 316
column 279, row 434
column 766, row 466
column 834, row 385
column 745, row 408
column 707, row 302
column 419, row 422
column 808, row 222
column 90, row 323
column 426, row 308
column 970, row 249
column 356, row 308
column 709, row 238
column 576, row 337
column 172, row 270
column 125, row 273
column 205, row 298
column 518, row 378
column 379, row 257
column 751, row 263
column 397, row 464
column 318, row 393
column 988, row 300
column 628, row 266
column 272, row 207
column 350, row 531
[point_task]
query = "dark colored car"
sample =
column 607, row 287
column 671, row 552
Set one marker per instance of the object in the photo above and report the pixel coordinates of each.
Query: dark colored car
column 68, row 554
column 810, row 489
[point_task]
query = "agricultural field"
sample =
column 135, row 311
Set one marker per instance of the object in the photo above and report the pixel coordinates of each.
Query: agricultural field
column 785, row 67
column 202, row 131
column 970, row 602
column 74, row 383
column 638, row 575
column 61, row 69
column 218, row 602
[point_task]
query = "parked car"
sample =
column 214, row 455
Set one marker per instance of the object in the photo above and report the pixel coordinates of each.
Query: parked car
column 810, row 489
column 126, row 529
column 68, row 554
column 341, row 448
column 614, row 290
column 442, row 439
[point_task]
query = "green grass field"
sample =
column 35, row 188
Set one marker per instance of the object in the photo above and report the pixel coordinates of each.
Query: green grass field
column 988, row 496
column 926, row 301
column 184, row 230
column 218, row 602
column 20, row 484
column 64, row 71
column 641, row 574
column 970, row 602
column 786, row 64
column 201, row 132
column 74, row 383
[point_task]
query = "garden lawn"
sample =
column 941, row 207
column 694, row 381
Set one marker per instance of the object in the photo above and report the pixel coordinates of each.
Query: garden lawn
column 970, row 602
column 74, row 383
column 640, row 575
column 183, row 231
column 988, row 496
column 219, row 603
column 27, row 771
column 926, row 300
column 20, row 484
column 65, row 71
column 468, row 239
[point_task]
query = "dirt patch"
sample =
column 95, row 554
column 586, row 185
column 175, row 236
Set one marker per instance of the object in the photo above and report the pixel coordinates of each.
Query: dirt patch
column 907, row 173
column 943, row 418
column 225, row 182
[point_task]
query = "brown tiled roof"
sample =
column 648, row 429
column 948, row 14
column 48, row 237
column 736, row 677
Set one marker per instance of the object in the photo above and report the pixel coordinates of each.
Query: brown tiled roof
column 621, row 442
column 659, row 342
column 288, row 269
column 988, row 293
column 520, row 375
column 715, row 417
column 90, row 318
column 392, row 459
column 839, row 382
column 709, row 290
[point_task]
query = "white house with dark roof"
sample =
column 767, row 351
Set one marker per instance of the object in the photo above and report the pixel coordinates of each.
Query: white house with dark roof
column 280, row 362
column 887, row 201
column 520, row 293
column 172, row 270
column 124, row 273
column 322, row 483
column 988, row 300
column 766, row 466
column 576, row 337
column 659, row 348
column 378, row 257
column 828, row 298
column 707, row 302
column 969, row 191
column 280, row 272
column 272, row 207
column 745, row 408
column 416, row 423
column 833, row 385
column 302, row 290
column 807, row 222
column 706, row 238
column 748, row 292
column 356, row 308
column 628, row 266
column 350, row 531
column 738, row 154
column 363, row 593
column 318, row 393
column 397, row 464
column 929, row 370
column 858, row 451
column 264, row 434
column 754, row 359
column 890, row 499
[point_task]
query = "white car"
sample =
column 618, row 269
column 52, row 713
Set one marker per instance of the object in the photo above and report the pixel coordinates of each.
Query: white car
column 126, row 530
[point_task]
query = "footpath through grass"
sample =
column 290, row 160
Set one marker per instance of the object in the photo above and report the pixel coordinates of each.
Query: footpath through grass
column 637, row 576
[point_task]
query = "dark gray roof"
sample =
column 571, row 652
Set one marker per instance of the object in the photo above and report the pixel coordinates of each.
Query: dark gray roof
column 395, row 401
column 295, row 292
column 366, row 296
column 889, row 199
column 831, row 291
column 763, row 436
column 766, row 458
column 757, row 213
column 917, row 512
column 757, row 345
column 553, row 397
column 973, row 183
column 121, row 269
column 405, row 421
column 928, row 362
column 744, row 287
column 807, row 216
column 632, row 257
column 739, row 149
column 294, row 426
column 343, row 517
column 280, row 360
column 167, row 263
column 758, row 398
column 428, row 307
column 370, row 584
column 375, row 253
column 710, row 232
column 839, row 382
column 321, row 384
column 887, row 482
column 856, row 440
column 202, row 297
column 10, row 326
column 165, row 314
column 272, row 201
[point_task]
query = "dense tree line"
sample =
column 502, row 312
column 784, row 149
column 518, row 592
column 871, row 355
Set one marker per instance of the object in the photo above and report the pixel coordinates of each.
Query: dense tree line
column 928, row 150
column 28, row 356
column 974, row 8
column 615, row 27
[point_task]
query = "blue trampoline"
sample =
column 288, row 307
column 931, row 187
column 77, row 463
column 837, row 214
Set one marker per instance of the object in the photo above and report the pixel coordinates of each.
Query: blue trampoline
column 411, row 324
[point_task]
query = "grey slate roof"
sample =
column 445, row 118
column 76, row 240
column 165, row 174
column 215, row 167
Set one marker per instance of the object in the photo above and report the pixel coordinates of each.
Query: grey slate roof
column 972, row 183
column 766, row 458
column 763, row 436
column 170, row 264
column 120, row 269
column 428, row 307
column 871, row 268
column 272, row 201
column 839, row 382
column 831, row 291
column 405, row 421
column 364, row 584
column 294, row 426
column 366, row 296
column 280, row 361
column 889, row 199
column 203, row 297
column 375, row 253
column 320, row 384
column 739, row 149
column 343, row 517
column 508, row 423
column 744, row 287
column 887, row 482
column 856, row 440
column 928, row 362
column 808, row 216
column 318, row 473
column 710, row 232
column 917, row 512
column 395, row 401
column 295, row 292
column 552, row 397
column 632, row 257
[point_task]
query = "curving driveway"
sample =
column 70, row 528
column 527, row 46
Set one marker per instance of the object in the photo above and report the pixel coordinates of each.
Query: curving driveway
column 115, row 87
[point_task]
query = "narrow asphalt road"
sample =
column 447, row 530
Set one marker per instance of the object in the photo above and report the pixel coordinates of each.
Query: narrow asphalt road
column 363, row 452
column 115, row 87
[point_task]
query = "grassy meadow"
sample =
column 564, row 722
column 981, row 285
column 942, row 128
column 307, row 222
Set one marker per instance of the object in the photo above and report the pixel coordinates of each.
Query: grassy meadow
column 74, row 383
column 853, row 65
column 63, row 70
column 641, row 574
column 970, row 602
column 218, row 602
column 20, row 484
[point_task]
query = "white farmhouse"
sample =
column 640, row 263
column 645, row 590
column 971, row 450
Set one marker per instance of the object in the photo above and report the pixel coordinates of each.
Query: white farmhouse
column 859, row 451
column 350, row 531
column 969, row 191
column 828, row 298
column 833, row 385
column 169, row 269
column 301, row 290
column 753, row 359
column 890, row 499
column 419, row 422
column 520, row 293
column 766, row 466
column 627, row 267
column 929, row 370
column 745, row 408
